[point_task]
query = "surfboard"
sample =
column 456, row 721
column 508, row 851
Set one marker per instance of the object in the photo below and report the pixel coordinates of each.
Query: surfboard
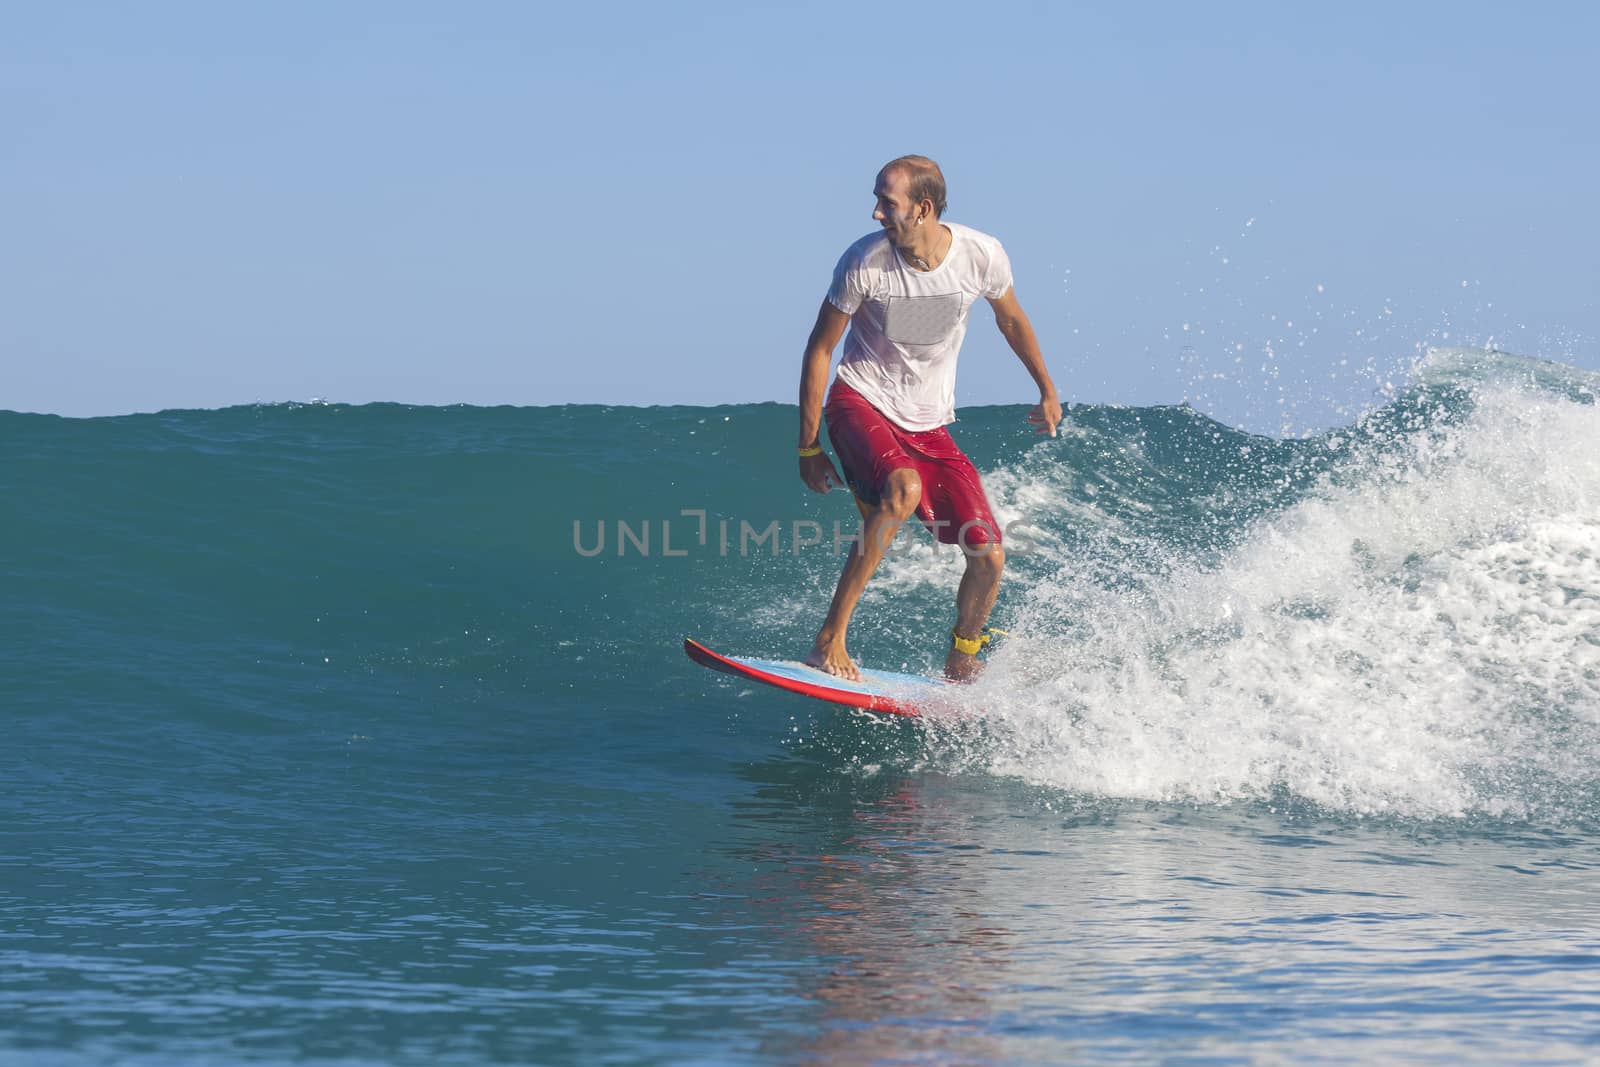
column 886, row 691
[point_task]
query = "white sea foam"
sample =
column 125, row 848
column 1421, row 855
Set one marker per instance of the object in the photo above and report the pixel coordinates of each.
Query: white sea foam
column 1033, row 501
column 1420, row 634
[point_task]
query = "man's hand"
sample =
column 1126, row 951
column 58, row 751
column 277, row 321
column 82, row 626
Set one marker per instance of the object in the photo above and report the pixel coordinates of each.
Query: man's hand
column 818, row 472
column 1018, row 332
column 1046, row 415
column 831, row 322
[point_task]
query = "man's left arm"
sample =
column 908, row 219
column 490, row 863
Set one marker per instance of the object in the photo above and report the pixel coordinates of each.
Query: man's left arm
column 1018, row 332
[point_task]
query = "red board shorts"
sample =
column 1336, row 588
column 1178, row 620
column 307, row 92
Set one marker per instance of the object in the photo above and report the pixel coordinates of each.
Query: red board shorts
column 870, row 447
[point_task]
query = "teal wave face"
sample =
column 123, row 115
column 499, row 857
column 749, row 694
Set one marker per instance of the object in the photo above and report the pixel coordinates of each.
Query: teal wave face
column 1398, row 615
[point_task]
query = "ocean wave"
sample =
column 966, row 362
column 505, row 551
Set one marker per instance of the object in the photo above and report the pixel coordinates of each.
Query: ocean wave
column 1417, row 633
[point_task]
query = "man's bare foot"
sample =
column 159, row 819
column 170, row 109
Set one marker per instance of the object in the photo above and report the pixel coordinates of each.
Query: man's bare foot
column 832, row 657
column 960, row 667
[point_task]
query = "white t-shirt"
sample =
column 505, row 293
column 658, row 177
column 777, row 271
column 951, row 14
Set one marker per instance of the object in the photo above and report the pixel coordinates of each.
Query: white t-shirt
column 907, row 324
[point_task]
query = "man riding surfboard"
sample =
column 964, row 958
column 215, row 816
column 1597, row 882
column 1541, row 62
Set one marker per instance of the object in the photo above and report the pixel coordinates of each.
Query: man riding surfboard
column 905, row 292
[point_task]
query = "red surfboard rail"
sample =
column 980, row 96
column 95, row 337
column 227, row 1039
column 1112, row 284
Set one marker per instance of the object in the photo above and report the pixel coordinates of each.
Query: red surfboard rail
column 873, row 694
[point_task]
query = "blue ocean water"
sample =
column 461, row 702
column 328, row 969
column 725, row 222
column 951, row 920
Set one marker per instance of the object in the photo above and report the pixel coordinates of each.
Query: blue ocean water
column 364, row 735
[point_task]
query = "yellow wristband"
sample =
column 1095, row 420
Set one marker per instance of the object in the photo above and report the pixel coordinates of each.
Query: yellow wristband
column 814, row 450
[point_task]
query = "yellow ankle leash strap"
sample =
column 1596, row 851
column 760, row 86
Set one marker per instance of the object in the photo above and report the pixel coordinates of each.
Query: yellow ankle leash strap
column 972, row 646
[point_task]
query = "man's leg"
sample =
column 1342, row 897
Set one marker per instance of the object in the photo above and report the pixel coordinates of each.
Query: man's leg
column 901, row 494
column 974, row 600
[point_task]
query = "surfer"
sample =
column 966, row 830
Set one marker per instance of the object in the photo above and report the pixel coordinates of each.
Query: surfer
column 905, row 292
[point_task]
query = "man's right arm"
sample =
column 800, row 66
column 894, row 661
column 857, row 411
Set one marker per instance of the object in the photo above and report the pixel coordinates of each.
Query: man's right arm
column 825, row 335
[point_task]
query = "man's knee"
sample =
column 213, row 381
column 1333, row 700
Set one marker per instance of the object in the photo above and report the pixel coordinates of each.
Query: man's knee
column 902, row 492
column 987, row 559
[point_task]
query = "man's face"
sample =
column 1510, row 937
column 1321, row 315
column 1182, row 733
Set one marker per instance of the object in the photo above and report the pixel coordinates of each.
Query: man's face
column 895, row 212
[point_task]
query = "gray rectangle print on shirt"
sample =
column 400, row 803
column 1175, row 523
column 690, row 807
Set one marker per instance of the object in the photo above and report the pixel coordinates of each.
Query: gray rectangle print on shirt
column 922, row 320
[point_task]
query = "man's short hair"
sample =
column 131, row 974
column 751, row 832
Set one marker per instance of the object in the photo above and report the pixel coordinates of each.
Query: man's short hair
column 925, row 178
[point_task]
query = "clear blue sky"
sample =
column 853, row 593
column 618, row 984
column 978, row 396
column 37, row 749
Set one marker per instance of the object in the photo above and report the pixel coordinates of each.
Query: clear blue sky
column 209, row 204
